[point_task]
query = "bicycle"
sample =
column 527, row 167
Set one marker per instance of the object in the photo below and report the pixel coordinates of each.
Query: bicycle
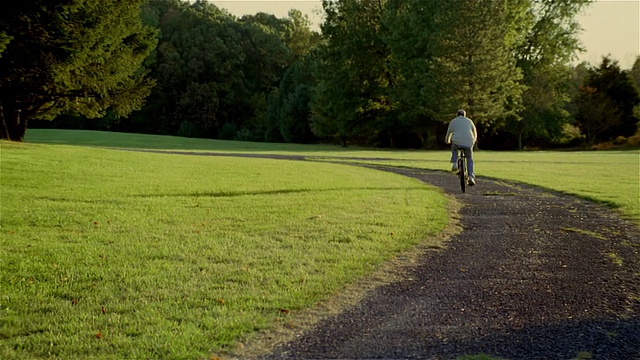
column 463, row 171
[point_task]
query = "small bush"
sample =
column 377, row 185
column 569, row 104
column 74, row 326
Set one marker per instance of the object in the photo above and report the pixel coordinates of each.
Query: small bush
column 634, row 140
column 603, row 146
column 620, row 140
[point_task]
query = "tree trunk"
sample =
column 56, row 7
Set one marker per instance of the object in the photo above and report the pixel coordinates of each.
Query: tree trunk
column 4, row 130
column 520, row 141
column 589, row 137
column 14, row 124
column 21, row 129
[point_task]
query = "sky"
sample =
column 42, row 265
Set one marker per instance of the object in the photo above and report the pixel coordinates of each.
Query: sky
column 610, row 27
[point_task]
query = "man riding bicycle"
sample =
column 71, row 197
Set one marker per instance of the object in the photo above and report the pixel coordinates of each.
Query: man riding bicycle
column 462, row 134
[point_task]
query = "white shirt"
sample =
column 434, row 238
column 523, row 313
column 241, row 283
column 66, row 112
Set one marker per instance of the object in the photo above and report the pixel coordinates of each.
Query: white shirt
column 461, row 132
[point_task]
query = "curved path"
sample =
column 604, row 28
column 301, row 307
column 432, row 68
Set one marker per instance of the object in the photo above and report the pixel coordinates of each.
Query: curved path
column 533, row 275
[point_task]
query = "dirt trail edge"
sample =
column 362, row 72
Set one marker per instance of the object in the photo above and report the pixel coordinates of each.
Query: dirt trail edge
column 533, row 275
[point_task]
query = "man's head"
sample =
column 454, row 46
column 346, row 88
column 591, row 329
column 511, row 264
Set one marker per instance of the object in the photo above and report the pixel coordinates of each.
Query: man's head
column 462, row 113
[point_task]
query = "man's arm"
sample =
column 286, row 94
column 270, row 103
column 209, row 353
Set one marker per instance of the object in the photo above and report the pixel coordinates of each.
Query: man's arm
column 475, row 133
column 447, row 138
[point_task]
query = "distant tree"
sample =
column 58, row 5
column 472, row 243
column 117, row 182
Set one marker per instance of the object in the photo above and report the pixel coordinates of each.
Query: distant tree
column 597, row 114
column 578, row 77
column 544, row 57
column 351, row 99
column 290, row 110
column 408, row 61
column 299, row 37
column 266, row 58
column 457, row 54
column 197, row 64
column 294, row 31
column 276, row 122
column 606, row 102
column 634, row 73
column 214, row 71
column 81, row 56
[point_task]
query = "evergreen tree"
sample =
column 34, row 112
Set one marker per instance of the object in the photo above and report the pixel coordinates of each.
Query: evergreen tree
column 79, row 56
column 293, row 102
column 276, row 124
column 606, row 102
column 634, row 74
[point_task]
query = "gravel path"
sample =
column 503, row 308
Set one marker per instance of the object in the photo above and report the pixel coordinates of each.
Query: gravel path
column 533, row 275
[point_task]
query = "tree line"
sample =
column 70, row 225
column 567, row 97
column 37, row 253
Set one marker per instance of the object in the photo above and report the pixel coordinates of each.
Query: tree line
column 388, row 73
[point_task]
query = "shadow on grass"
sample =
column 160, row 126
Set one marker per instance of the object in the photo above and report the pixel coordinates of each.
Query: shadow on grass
column 607, row 203
column 81, row 201
column 273, row 192
column 220, row 194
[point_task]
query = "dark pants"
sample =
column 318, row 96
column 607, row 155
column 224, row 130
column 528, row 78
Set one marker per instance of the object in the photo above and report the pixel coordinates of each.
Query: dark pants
column 468, row 152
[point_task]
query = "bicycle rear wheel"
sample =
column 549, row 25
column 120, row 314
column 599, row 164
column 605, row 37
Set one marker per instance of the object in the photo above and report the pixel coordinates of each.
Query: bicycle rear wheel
column 462, row 169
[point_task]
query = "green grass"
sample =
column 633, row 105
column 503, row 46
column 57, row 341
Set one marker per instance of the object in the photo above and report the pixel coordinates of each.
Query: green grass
column 142, row 141
column 585, row 232
column 608, row 177
column 116, row 254
column 611, row 178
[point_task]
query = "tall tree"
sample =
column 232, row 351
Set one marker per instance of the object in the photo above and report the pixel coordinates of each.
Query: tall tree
column 606, row 102
column 458, row 54
column 544, row 57
column 596, row 115
column 408, row 46
column 266, row 60
column 289, row 111
column 578, row 77
column 74, row 55
column 197, row 64
column 214, row 71
column 299, row 37
column 351, row 99
column 634, row 74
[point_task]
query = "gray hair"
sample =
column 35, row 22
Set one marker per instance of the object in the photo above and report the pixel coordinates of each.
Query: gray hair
column 462, row 113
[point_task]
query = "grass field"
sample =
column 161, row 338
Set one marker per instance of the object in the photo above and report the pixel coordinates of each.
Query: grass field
column 608, row 177
column 117, row 254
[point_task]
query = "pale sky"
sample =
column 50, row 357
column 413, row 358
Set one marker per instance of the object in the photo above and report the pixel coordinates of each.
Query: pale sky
column 610, row 26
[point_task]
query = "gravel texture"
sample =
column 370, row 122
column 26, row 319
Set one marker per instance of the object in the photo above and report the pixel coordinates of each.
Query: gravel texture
column 533, row 275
